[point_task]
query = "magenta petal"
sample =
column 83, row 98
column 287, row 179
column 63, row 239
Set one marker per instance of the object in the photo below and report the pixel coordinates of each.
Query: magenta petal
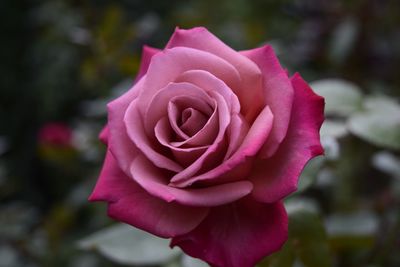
column 237, row 235
column 147, row 53
column 103, row 136
column 129, row 203
column 277, row 176
column 278, row 93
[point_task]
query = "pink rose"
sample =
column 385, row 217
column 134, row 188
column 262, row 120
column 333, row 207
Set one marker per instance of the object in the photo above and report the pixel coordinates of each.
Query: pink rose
column 55, row 134
column 205, row 145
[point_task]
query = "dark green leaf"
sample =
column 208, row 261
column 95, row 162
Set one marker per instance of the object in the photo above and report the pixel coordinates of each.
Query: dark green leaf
column 352, row 230
column 307, row 234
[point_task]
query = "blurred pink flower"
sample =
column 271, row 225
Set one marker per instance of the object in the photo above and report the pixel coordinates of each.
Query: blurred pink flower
column 55, row 134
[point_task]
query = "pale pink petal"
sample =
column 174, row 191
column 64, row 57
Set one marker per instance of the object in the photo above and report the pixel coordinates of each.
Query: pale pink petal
column 250, row 146
column 276, row 177
column 209, row 82
column 136, row 132
column 192, row 121
column 173, row 116
column 278, row 93
column 185, row 156
column 129, row 203
column 179, row 60
column 205, row 136
column 236, row 132
column 182, row 94
column 249, row 90
column 214, row 153
column 155, row 182
column 118, row 140
column 147, row 53
column 238, row 234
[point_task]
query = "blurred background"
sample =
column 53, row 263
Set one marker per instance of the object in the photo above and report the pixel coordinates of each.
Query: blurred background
column 62, row 61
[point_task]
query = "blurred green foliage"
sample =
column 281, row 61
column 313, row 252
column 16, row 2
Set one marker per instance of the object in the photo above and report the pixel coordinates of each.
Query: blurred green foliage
column 62, row 60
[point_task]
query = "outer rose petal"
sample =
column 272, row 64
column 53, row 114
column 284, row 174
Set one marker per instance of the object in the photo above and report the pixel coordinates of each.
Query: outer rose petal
column 147, row 53
column 103, row 136
column 277, row 176
column 278, row 93
column 119, row 142
column 238, row 234
column 129, row 203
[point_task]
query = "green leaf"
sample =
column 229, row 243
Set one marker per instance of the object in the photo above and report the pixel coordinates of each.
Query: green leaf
column 125, row 244
column 353, row 230
column 283, row 258
column 332, row 128
column 341, row 97
column 379, row 123
column 387, row 162
column 307, row 234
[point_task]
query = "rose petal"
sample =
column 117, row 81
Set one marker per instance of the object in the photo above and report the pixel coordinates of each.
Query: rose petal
column 118, row 140
column 135, row 129
column 154, row 182
column 179, row 60
column 277, row 176
column 249, row 90
column 147, row 53
column 278, row 93
column 251, row 144
column 173, row 116
column 213, row 154
column 193, row 121
column 103, row 136
column 184, row 156
column 158, row 106
column 205, row 136
column 129, row 203
column 236, row 132
column 237, row 235
column 183, row 95
column 209, row 82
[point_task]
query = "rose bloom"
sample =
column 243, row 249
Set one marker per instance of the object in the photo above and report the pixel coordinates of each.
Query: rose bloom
column 206, row 144
column 55, row 134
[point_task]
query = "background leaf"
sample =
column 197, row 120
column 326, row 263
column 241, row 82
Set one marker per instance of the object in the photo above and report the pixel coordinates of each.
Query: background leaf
column 341, row 97
column 352, row 230
column 378, row 123
column 127, row 245
column 307, row 234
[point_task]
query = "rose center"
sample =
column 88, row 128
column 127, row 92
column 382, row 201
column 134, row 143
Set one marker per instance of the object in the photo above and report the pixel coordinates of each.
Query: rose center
column 192, row 121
